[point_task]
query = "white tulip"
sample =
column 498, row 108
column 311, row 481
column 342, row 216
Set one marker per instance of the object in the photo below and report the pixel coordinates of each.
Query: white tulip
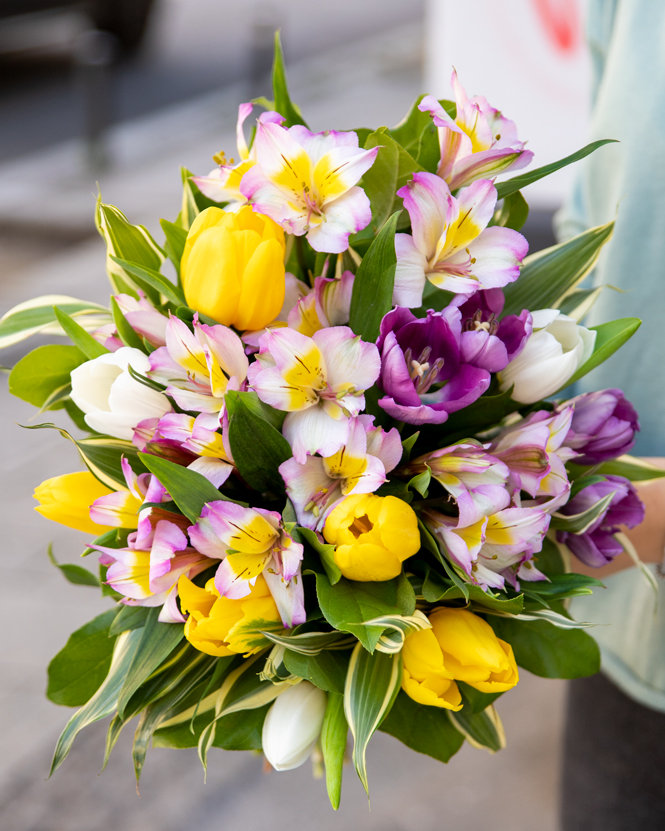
column 293, row 725
column 114, row 402
column 552, row 355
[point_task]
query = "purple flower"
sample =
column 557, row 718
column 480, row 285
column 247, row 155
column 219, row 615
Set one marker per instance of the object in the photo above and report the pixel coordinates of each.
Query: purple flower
column 423, row 373
column 486, row 341
column 604, row 426
column 597, row 546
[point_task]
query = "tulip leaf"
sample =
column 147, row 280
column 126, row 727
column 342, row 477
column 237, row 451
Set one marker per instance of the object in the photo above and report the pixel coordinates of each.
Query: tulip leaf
column 78, row 670
column 550, row 274
column 37, row 315
column 105, row 699
column 175, row 241
column 77, row 575
column 579, row 523
column 561, row 585
column 283, row 104
column 46, row 369
column 423, row 728
column 189, row 490
column 333, row 746
column 547, row 650
column 155, row 280
column 436, row 591
column 84, row 340
column 127, row 335
column 372, row 296
column 514, row 212
column 372, row 684
column 637, row 470
column 474, row 700
column 326, row 670
column 347, row 605
column 325, row 551
column 481, row 730
column 128, row 618
column 609, row 337
column 518, row 182
column 258, row 449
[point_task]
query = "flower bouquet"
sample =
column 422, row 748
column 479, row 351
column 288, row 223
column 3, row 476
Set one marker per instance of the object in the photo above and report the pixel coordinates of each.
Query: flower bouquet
column 325, row 480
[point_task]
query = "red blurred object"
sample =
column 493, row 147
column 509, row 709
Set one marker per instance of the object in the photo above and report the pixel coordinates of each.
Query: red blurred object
column 562, row 22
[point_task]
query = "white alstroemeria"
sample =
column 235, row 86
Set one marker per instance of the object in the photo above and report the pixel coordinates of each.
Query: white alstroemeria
column 293, row 725
column 552, row 355
column 113, row 402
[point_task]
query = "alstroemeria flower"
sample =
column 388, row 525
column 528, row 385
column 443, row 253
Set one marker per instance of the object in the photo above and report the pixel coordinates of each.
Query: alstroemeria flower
column 533, row 451
column 452, row 246
column 319, row 381
column 495, row 548
column 307, row 183
column 360, row 466
column 199, row 367
column 479, row 143
column 252, row 541
column 120, row 509
column 143, row 317
column 475, row 479
column 200, row 436
column 422, row 370
column 327, row 304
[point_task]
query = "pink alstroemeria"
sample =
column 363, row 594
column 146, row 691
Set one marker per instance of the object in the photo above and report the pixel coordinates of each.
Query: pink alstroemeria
column 307, row 183
column 252, row 541
column 475, row 479
column 146, row 573
column 496, row 548
column 200, row 436
column 452, row 246
column 360, row 466
column 199, row 367
column 320, row 381
column 121, row 508
column 479, row 143
column 143, row 317
column 533, row 451
column 327, row 304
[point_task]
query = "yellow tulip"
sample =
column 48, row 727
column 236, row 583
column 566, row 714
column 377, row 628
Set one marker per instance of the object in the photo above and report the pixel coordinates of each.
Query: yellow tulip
column 460, row 646
column 373, row 535
column 223, row 626
column 232, row 267
column 67, row 499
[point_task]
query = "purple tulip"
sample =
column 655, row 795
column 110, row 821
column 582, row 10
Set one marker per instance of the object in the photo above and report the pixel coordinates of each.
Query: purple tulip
column 423, row 372
column 603, row 427
column 597, row 546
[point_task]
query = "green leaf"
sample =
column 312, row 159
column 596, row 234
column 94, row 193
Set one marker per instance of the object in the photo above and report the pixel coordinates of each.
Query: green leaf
column 79, row 337
column 380, row 181
column 518, row 182
column 104, row 701
column 434, row 547
column 252, row 401
column 481, row 730
column 73, row 574
column 347, row 605
column 327, row 670
column 549, row 559
column 77, row 671
column 485, row 412
column 609, row 337
column 175, row 241
column 325, row 551
column 408, row 131
column 562, row 585
column 474, row 700
column 46, row 369
column 258, row 449
column 237, row 731
column 550, row 274
column 189, row 490
column 637, row 470
column 158, row 640
column 578, row 302
column 283, row 104
column 127, row 335
column 578, row 523
column 372, row 684
column 310, row 643
column 435, row 590
column 333, row 745
column 37, row 315
column 547, row 650
column 422, row 728
column 514, row 212
column 153, row 279
column 372, row 295
column 128, row 618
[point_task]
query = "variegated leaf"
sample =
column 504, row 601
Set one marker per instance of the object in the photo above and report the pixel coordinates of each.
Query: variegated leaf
column 556, row 619
column 398, row 628
column 36, row 316
column 310, row 643
column 578, row 523
column 481, row 730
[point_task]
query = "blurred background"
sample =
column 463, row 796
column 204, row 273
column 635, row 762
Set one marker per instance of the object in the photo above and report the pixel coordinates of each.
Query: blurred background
column 117, row 94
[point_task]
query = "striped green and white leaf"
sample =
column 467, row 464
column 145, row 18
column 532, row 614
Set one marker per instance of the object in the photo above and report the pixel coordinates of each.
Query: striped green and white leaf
column 483, row 730
column 637, row 470
column 646, row 572
column 372, row 683
column 578, row 523
column 311, row 643
column 397, row 629
column 579, row 302
column 559, row 620
column 36, row 316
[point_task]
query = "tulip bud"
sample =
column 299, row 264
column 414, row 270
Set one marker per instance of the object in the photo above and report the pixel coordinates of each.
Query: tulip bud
column 293, row 725
column 552, row 355
column 67, row 499
column 114, row 402
column 232, row 267
column 603, row 426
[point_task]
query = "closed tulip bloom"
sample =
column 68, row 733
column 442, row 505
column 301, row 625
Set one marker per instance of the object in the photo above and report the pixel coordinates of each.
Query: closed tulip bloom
column 373, row 535
column 425, row 678
column 232, row 267
column 293, row 725
column 67, row 499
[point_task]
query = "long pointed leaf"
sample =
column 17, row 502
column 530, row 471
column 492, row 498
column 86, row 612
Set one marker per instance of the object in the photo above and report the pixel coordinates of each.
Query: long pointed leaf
column 333, row 745
column 283, row 103
column 79, row 337
column 481, row 730
column 609, row 337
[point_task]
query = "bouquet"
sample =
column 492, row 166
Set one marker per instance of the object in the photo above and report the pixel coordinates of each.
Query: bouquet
column 326, row 480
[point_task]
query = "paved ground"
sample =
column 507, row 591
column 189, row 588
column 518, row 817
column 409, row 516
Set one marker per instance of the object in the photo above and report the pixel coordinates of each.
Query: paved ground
column 515, row 790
